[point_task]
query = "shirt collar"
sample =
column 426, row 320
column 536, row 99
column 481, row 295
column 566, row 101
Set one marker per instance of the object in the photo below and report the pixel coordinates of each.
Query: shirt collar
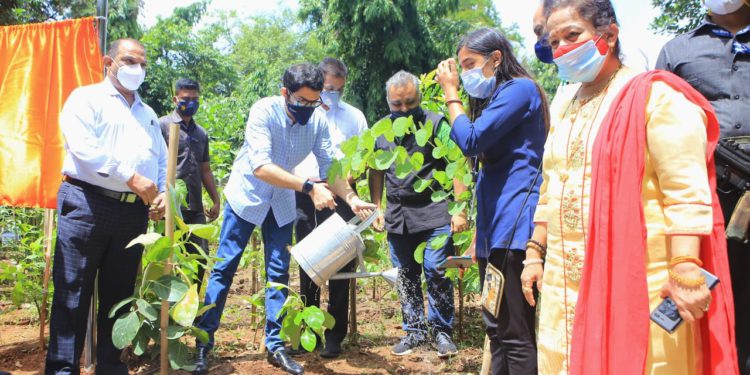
column 176, row 118
column 707, row 24
column 110, row 89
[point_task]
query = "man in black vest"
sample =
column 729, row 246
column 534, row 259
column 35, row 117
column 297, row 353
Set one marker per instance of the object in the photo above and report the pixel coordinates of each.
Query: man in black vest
column 413, row 218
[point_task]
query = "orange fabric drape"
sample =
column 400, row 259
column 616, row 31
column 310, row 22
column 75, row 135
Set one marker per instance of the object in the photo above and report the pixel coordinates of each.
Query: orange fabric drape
column 40, row 64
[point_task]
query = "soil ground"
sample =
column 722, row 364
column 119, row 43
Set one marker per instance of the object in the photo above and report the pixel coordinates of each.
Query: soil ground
column 237, row 348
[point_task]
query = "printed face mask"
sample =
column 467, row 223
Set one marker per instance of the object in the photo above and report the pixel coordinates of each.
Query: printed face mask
column 188, row 107
column 581, row 62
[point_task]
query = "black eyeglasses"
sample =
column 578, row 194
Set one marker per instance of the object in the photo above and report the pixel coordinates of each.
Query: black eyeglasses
column 304, row 102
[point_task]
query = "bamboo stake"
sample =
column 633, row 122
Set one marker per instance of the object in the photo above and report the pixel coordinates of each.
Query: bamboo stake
column 460, row 308
column 174, row 133
column 49, row 223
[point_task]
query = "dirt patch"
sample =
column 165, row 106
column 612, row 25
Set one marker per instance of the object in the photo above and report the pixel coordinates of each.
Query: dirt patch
column 238, row 341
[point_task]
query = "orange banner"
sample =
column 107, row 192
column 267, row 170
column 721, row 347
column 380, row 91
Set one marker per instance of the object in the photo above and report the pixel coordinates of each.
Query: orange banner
column 40, row 65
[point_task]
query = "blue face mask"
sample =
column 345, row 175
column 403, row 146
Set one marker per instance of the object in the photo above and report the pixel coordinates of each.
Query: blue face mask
column 476, row 84
column 331, row 98
column 187, row 107
column 581, row 62
column 543, row 51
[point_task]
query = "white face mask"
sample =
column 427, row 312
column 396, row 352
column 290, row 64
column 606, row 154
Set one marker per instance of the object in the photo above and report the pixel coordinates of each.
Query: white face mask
column 331, row 98
column 476, row 84
column 130, row 76
column 722, row 7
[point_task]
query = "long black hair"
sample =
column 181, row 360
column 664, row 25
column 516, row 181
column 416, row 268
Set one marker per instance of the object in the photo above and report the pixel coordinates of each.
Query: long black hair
column 484, row 41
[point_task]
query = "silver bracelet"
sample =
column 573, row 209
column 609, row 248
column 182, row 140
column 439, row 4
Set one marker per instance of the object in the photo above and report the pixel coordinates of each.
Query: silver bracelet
column 532, row 261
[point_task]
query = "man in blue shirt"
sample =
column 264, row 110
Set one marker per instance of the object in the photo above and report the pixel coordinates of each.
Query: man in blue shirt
column 114, row 169
column 281, row 131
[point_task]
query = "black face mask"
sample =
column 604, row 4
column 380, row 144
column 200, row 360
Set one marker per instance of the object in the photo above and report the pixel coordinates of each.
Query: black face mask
column 417, row 114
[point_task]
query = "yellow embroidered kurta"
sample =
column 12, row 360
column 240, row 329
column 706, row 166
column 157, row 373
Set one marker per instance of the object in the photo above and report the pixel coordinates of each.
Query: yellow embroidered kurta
column 676, row 199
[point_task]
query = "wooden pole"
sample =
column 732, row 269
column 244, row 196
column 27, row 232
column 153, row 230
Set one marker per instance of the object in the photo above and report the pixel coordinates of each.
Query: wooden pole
column 174, row 134
column 49, row 223
column 460, row 308
column 486, row 357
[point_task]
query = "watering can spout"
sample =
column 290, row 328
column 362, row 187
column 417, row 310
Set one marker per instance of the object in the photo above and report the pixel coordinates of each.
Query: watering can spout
column 391, row 276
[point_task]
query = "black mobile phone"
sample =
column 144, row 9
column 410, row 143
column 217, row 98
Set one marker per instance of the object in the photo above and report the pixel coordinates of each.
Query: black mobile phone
column 666, row 314
column 456, row 262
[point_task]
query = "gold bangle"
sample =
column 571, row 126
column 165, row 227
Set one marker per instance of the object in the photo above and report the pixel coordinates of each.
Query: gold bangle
column 685, row 259
column 686, row 281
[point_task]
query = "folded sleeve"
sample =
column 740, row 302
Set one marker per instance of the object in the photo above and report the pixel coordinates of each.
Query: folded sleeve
column 676, row 136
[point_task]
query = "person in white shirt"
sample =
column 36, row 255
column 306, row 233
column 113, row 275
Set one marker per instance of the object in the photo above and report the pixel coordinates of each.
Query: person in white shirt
column 114, row 169
column 344, row 121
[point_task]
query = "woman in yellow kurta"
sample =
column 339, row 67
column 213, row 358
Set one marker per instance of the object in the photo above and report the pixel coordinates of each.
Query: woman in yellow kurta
column 675, row 193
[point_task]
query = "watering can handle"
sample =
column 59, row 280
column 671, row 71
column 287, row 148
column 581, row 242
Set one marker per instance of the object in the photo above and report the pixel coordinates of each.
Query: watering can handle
column 366, row 223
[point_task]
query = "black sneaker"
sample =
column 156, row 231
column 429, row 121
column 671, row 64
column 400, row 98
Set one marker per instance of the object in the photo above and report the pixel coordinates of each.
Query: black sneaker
column 201, row 361
column 445, row 346
column 332, row 349
column 408, row 343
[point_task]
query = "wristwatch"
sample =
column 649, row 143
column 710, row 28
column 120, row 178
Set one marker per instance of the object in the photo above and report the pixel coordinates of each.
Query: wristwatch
column 307, row 186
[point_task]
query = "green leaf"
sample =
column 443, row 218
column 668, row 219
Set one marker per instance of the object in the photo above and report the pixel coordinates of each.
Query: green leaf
column 456, row 207
column 439, row 241
column 468, row 179
column 179, row 356
column 422, row 136
column 403, row 170
column 119, row 305
column 401, row 125
column 203, row 309
column 160, row 250
column 429, row 127
column 381, row 127
column 142, row 339
column 462, row 238
column 441, row 177
column 169, row 288
column 147, row 310
column 146, row 239
column 206, row 231
column 185, row 311
column 421, row 185
column 175, row 332
column 153, row 272
column 199, row 334
column 275, row 285
column 308, row 340
column 419, row 253
column 384, row 159
column 439, row 151
column 335, row 171
column 329, row 321
column 125, row 329
column 440, row 195
column 313, row 317
column 417, row 160
column 349, row 146
column 291, row 332
column 366, row 141
column 465, row 196
column 451, row 169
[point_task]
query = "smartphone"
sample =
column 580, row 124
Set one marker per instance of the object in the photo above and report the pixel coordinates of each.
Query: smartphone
column 666, row 314
column 456, row 262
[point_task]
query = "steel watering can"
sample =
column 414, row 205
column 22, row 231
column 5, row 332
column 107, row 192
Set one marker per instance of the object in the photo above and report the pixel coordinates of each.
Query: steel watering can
column 332, row 245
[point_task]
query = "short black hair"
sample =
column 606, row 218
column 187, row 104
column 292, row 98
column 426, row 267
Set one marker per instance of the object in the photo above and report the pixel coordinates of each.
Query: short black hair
column 186, row 84
column 334, row 67
column 303, row 75
column 114, row 47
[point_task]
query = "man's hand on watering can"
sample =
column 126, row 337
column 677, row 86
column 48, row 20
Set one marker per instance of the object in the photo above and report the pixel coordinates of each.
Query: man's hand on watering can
column 322, row 196
column 361, row 208
column 379, row 224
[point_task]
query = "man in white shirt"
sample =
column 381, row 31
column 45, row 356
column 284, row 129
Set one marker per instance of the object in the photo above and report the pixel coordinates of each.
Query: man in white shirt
column 344, row 122
column 114, row 169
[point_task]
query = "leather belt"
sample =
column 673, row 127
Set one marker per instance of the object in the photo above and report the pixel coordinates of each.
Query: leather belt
column 120, row 196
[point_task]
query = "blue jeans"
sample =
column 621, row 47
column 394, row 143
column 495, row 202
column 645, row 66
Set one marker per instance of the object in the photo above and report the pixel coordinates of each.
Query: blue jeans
column 235, row 233
column 439, row 287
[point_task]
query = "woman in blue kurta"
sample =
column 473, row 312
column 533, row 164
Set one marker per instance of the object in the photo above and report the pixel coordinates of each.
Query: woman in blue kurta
column 506, row 131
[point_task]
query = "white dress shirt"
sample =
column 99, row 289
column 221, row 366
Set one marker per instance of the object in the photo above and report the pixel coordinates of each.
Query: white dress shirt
column 344, row 121
column 271, row 137
column 107, row 141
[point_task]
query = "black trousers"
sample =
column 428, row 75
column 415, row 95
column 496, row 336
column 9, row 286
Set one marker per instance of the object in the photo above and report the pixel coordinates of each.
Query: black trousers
column 338, row 302
column 512, row 335
column 739, row 264
column 196, row 217
column 92, row 232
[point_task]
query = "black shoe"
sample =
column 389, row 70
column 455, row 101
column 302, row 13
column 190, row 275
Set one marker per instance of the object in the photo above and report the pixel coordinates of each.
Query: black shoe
column 332, row 349
column 201, row 361
column 408, row 343
column 445, row 346
column 282, row 359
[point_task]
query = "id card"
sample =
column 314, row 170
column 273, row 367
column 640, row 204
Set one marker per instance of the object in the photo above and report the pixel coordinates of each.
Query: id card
column 492, row 293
